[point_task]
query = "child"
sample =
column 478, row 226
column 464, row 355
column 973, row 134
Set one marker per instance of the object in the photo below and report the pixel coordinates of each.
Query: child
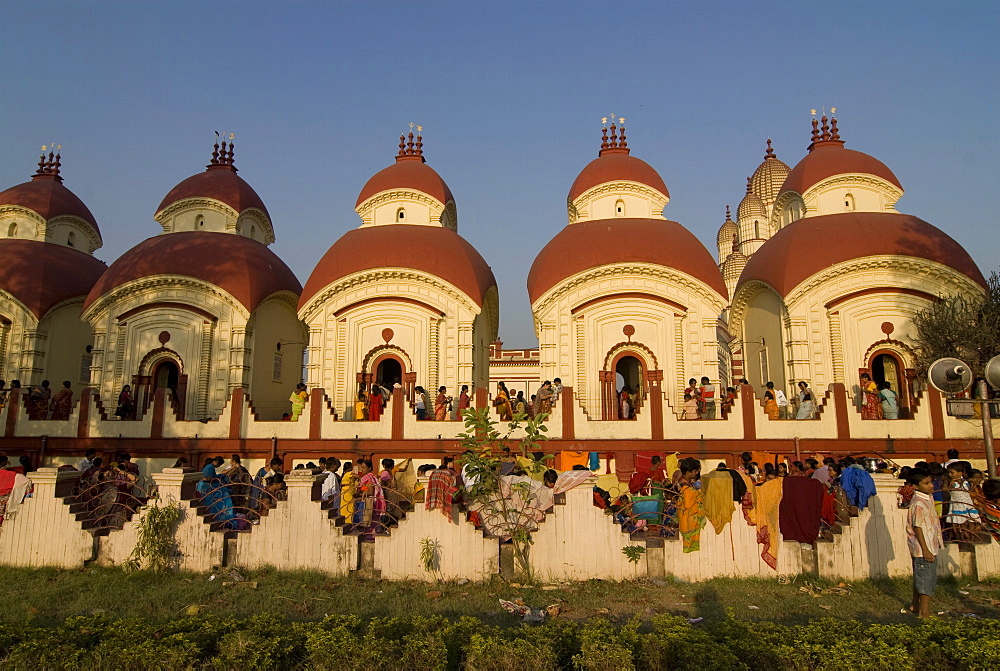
column 360, row 408
column 962, row 517
column 923, row 537
column 690, row 407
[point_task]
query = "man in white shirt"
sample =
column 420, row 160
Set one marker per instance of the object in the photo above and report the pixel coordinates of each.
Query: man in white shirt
column 87, row 462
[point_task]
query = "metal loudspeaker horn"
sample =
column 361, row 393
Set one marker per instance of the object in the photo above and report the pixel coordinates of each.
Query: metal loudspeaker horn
column 950, row 375
column 992, row 372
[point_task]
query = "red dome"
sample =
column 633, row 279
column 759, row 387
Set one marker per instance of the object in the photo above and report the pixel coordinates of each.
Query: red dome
column 47, row 196
column 41, row 275
column 219, row 182
column 246, row 269
column 408, row 172
column 830, row 158
column 431, row 249
column 807, row 246
column 613, row 166
column 601, row 242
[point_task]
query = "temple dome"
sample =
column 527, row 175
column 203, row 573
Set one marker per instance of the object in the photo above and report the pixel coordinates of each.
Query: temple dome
column 802, row 249
column 244, row 268
column 601, row 242
column 437, row 251
column 219, row 182
column 41, row 275
column 767, row 179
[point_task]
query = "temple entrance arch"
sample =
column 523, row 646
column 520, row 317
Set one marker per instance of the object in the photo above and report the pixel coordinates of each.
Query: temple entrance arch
column 388, row 371
column 626, row 366
column 161, row 368
column 887, row 365
column 385, row 365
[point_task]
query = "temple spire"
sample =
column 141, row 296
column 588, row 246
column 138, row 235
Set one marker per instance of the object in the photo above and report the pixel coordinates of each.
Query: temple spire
column 48, row 166
column 411, row 147
column 222, row 155
column 615, row 142
column 770, row 152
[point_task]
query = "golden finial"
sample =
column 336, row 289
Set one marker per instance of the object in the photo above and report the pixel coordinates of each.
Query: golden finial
column 232, row 136
column 45, row 147
column 420, row 129
column 833, row 110
column 621, row 119
column 411, row 125
column 604, row 119
column 813, row 112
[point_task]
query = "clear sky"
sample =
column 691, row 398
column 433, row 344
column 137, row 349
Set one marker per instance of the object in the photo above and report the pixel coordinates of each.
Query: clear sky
column 510, row 96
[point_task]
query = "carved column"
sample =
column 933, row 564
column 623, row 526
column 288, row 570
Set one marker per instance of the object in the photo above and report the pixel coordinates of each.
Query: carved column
column 239, row 355
column 836, row 347
column 33, row 356
column 119, row 372
column 205, row 370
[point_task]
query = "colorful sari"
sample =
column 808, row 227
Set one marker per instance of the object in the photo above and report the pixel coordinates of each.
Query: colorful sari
column 871, row 407
column 690, row 516
column 375, row 407
column 441, row 407
column 502, row 403
column 440, row 491
column 348, row 488
column 38, row 402
column 214, row 494
column 62, row 404
column 771, row 405
column 989, row 515
column 768, row 501
column 370, row 505
column 298, row 401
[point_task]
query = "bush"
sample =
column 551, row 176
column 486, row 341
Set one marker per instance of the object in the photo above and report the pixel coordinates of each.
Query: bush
column 437, row 643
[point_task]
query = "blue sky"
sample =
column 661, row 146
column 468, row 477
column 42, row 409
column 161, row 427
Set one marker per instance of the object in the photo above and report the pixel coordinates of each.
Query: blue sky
column 510, row 95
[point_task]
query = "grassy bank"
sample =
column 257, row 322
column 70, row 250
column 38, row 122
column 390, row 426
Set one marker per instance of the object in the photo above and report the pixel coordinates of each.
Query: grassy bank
column 47, row 596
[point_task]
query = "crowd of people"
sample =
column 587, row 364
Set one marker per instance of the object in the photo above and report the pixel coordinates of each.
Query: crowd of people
column 509, row 404
column 39, row 401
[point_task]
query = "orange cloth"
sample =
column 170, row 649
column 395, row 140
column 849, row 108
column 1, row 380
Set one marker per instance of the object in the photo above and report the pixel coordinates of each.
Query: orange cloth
column 767, row 499
column 566, row 460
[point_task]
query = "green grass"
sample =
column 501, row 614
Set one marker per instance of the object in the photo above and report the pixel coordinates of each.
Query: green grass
column 45, row 597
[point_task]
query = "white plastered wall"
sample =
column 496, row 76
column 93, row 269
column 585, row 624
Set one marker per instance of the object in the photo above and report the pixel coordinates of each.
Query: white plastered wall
column 851, row 193
column 273, row 322
column 204, row 345
column 438, row 328
column 603, row 201
column 574, row 347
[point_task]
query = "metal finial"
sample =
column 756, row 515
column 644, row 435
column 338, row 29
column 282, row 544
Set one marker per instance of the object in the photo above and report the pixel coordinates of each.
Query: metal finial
column 813, row 112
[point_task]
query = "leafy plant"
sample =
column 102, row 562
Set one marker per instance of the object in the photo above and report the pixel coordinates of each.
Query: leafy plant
column 504, row 503
column 154, row 547
column 634, row 552
column 430, row 554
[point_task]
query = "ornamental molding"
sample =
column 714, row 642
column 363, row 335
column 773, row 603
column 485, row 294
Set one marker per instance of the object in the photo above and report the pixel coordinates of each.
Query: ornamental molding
column 367, row 208
column 82, row 225
column 784, row 199
column 742, row 299
column 634, row 347
column 335, row 290
column 97, row 310
column 855, row 179
column 491, row 306
column 11, row 307
column 578, row 208
column 257, row 217
column 897, row 346
column 641, row 270
column 920, row 269
column 20, row 210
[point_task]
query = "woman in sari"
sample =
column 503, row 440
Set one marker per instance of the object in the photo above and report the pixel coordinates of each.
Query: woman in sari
column 463, row 399
column 38, row 401
column 370, row 504
column 543, row 398
column 690, row 510
column 375, row 401
column 807, row 402
column 871, row 404
column 502, row 403
column 441, row 403
column 215, row 493
column 126, row 407
column 62, row 402
column 770, row 402
column 298, row 400
column 348, row 488
column 625, row 410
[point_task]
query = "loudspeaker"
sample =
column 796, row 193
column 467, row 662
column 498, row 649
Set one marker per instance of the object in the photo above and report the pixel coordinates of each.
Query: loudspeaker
column 992, row 372
column 949, row 375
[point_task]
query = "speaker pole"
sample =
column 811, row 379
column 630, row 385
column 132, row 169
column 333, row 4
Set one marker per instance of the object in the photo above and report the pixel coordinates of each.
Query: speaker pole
column 986, row 408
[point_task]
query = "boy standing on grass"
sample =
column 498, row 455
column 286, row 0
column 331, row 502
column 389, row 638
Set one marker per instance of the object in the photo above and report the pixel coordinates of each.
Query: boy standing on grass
column 923, row 537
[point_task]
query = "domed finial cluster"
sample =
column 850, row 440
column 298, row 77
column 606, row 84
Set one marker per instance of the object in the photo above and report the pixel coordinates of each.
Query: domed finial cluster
column 615, row 143
column 825, row 130
column 749, row 187
column 770, row 152
column 222, row 156
column 48, row 166
column 410, row 150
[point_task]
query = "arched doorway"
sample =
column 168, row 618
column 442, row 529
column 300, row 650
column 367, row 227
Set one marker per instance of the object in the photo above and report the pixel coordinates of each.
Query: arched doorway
column 166, row 375
column 625, row 367
column 887, row 366
column 388, row 371
column 628, row 378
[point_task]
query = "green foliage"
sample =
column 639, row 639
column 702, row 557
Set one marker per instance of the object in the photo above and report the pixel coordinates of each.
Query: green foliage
column 154, row 547
column 962, row 326
column 504, row 507
column 439, row 643
column 430, row 554
column 634, row 553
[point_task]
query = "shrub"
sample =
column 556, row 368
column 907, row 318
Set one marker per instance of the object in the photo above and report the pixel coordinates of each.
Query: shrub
column 497, row 653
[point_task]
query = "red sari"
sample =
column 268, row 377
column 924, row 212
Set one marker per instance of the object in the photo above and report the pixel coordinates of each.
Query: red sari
column 62, row 404
column 872, row 406
column 374, row 407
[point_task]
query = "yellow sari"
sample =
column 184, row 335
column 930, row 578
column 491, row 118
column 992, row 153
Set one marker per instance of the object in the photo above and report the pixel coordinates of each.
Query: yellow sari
column 348, row 488
column 690, row 517
column 717, row 490
column 298, row 401
column 503, row 409
column 771, row 406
